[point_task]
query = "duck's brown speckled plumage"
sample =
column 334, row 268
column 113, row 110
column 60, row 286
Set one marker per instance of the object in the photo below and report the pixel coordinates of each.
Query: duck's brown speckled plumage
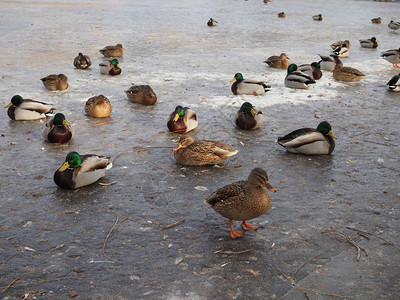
column 113, row 51
column 55, row 82
column 82, row 61
column 142, row 94
column 279, row 62
column 98, row 107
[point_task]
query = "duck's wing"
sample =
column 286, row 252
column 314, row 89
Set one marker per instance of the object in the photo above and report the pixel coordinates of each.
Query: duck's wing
column 223, row 195
column 92, row 162
column 300, row 137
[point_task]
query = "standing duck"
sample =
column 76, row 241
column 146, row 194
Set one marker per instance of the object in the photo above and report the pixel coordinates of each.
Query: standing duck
column 313, row 70
column 392, row 56
column 394, row 83
column 81, row 170
column 55, row 82
column 82, row 61
column 279, row 62
column 394, row 25
column 347, row 74
column 296, row 79
column 113, row 51
column 328, row 63
column 21, row 109
column 249, row 117
column 111, row 67
column 142, row 94
column 243, row 200
column 248, row 87
column 58, row 130
column 310, row 141
column 201, row 152
column 212, row 22
column 182, row 120
column 98, row 107
column 369, row 43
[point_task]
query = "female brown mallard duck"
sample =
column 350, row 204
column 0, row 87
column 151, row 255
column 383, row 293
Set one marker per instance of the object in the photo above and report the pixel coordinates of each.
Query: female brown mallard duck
column 81, row 170
column 243, row 86
column 113, row 51
column 182, row 120
column 82, row 61
column 212, row 22
column 249, row 117
column 98, row 107
column 58, row 130
column 142, row 94
column 201, row 152
column 282, row 15
column 369, row 43
column 341, row 43
column 376, row 20
column 347, row 74
column 21, row 109
column 342, row 51
column 243, row 200
column 313, row 70
column 110, row 67
column 310, row 141
column 55, row 82
column 279, row 62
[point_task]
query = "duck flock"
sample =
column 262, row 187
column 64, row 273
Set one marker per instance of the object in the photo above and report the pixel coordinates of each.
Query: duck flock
column 242, row 200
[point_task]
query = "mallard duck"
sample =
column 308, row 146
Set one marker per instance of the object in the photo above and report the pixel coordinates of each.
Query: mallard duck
column 182, row 120
column 98, row 107
column 369, row 43
column 113, row 51
column 317, row 17
column 201, row 152
column 243, row 200
column 394, row 25
column 212, row 22
column 21, row 109
column 110, row 67
column 297, row 80
column 392, row 56
column 82, row 61
column 142, row 94
column 81, row 170
column 341, row 43
column 342, row 51
column 310, row 141
column 313, row 70
column 376, row 20
column 281, row 15
column 249, row 117
column 348, row 74
column 58, row 130
column 55, row 82
column 279, row 62
column 328, row 63
column 394, row 83
column 248, row 87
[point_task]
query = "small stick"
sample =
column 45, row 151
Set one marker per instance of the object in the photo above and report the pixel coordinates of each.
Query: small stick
column 107, row 184
column 232, row 252
column 42, row 281
column 323, row 293
column 172, row 225
column 8, row 286
column 108, row 236
column 377, row 236
column 349, row 239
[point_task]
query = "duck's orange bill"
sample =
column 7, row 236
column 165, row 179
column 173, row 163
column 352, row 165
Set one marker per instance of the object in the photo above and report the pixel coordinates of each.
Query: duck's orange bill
column 269, row 187
column 176, row 117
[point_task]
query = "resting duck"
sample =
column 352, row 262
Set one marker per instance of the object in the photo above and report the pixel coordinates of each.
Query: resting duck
column 81, row 170
column 142, row 94
column 369, row 43
column 297, row 80
column 182, row 120
column 98, row 107
column 347, row 74
column 212, row 22
column 328, row 63
column 248, row 87
column 58, row 130
column 392, row 56
column 243, row 200
column 394, row 83
column 281, row 15
column 313, row 70
column 279, row 62
column 394, row 25
column 317, row 17
column 111, row 67
column 310, row 141
column 249, row 117
column 55, row 82
column 21, row 109
column 113, row 51
column 201, row 152
column 342, row 51
column 341, row 43
column 82, row 61
column 376, row 20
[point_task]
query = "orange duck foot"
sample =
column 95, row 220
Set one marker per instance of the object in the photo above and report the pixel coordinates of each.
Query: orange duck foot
column 234, row 234
column 247, row 226
column 396, row 66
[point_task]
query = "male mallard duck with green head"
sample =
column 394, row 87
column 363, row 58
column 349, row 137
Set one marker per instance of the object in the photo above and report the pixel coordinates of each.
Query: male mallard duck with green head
column 341, row 43
column 111, row 67
column 58, row 130
column 82, row 61
column 394, row 83
column 249, row 117
column 328, row 63
column 313, row 70
column 182, row 120
column 113, row 51
column 369, row 43
column 296, row 79
column 21, row 109
column 243, row 200
column 98, row 107
column 317, row 17
column 392, row 56
column 212, row 22
column 243, row 86
column 310, row 141
column 81, row 170
column 55, row 82
column 279, row 62
column 394, row 25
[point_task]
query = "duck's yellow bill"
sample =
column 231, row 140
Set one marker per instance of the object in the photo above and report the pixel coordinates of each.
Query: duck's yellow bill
column 64, row 167
column 234, row 79
column 331, row 134
column 269, row 187
column 65, row 123
column 176, row 117
column 118, row 66
column 253, row 111
column 8, row 105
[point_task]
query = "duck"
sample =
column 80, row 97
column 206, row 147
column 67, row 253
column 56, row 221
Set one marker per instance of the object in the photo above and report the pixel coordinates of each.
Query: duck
column 281, row 15
column 113, row 51
column 192, row 152
column 279, row 62
column 182, row 120
column 243, row 200
column 341, row 43
column 58, row 130
column 310, row 141
column 317, row 17
column 342, row 51
column 394, row 25
column 243, row 86
column 369, row 43
column 55, row 82
column 142, row 94
column 82, row 61
column 212, row 22
column 21, row 109
column 296, row 79
column 376, row 20
column 249, row 117
column 347, row 74
column 81, row 170
column 392, row 56
column 328, row 63
column 110, row 67
column 313, row 70
column 394, row 83
column 98, row 107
